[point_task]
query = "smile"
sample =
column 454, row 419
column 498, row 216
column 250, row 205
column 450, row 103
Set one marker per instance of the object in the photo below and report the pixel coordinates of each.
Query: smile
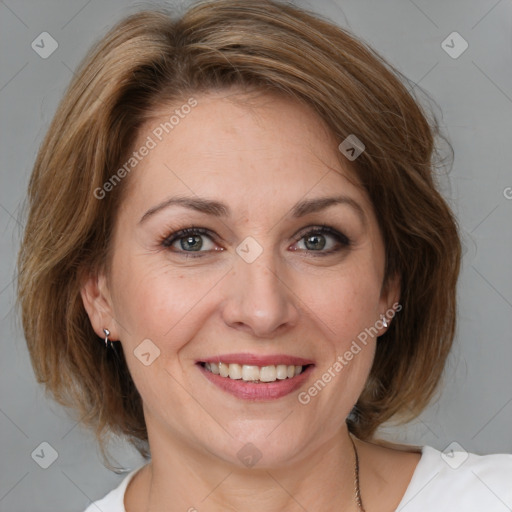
column 252, row 373
column 256, row 377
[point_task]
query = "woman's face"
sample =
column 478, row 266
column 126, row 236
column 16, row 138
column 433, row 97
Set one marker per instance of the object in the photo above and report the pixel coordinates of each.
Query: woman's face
column 282, row 267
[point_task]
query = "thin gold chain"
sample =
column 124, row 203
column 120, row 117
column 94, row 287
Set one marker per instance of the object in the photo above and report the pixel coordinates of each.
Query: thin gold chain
column 357, row 489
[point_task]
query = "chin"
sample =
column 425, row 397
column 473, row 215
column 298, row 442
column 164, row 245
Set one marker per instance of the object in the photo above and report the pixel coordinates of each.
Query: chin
column 260, row 444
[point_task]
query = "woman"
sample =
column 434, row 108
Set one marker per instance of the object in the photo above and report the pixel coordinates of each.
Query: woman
column 236, row 256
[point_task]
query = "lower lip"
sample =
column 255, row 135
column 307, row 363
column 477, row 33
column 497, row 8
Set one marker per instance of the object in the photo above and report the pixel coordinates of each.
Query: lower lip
column 253, row 391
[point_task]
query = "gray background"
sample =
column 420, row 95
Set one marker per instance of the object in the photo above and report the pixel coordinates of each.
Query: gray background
column 474, row 93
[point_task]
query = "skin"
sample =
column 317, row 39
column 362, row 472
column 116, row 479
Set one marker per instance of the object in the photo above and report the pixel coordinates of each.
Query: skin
column 260, row 156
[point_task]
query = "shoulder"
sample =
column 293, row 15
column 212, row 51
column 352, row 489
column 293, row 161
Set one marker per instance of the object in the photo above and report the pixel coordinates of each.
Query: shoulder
column 114, row 500
column 457, row 480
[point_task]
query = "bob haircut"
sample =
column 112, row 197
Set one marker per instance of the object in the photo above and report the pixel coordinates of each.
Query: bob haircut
column 151, row 60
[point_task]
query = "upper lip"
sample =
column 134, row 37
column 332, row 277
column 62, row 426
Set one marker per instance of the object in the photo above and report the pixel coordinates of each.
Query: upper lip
column 258, row 360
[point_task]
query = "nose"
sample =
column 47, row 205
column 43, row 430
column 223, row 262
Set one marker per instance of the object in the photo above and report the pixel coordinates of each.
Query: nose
column 260, row 300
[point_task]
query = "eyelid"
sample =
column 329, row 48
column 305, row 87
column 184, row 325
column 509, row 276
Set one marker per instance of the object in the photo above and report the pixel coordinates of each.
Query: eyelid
column 323, row 229
column 342, row 241
column 168, row 240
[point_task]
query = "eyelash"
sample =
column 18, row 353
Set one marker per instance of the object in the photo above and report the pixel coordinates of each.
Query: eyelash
column 340, row 238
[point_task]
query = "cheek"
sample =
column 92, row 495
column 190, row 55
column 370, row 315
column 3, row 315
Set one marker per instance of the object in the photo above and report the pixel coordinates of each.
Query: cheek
column 346, row 301
column 156, row 301
column 166, row 309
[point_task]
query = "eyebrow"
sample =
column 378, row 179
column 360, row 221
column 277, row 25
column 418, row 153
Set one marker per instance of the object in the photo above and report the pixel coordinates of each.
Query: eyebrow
column 218, row 209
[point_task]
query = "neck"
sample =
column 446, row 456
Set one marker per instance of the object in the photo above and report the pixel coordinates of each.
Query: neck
column 183, row 478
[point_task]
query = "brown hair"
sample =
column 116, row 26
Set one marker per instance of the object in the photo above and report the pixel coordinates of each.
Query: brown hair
column 150, row 59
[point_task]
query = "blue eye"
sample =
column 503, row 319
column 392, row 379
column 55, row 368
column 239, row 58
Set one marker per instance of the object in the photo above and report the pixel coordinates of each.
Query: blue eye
column 190, row 240
column 323, row 237
column 322, row 240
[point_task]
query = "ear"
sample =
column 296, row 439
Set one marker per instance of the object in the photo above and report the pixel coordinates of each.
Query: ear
column 389, row 301
column 97, row 301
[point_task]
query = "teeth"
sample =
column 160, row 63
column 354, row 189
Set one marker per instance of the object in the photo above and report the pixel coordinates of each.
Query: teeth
column 235, row 371
column 251, row 373
column 282, row 371
column 223, row 369
column 268, row 374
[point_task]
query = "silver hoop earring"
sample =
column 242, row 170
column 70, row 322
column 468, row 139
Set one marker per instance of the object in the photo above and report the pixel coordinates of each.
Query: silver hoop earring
column 108, row 343
column 384, row 321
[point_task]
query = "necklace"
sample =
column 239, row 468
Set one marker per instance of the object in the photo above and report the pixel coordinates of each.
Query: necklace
column 357, row 489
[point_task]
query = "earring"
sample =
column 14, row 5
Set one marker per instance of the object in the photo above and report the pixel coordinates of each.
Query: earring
column 384, row 320
column 108, row 343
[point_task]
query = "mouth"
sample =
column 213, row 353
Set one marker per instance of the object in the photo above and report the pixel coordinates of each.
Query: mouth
column 253, row 373
column 252, row 377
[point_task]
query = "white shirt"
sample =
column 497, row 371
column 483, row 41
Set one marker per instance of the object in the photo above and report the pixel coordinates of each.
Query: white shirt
column 440, row 483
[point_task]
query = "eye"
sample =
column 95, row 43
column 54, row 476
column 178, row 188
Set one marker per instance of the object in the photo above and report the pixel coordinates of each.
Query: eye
column 319, row 239
column 190, row 240
column 322, row 239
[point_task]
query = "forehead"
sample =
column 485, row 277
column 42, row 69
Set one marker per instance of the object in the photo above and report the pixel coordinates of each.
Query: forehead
column 242, row 148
